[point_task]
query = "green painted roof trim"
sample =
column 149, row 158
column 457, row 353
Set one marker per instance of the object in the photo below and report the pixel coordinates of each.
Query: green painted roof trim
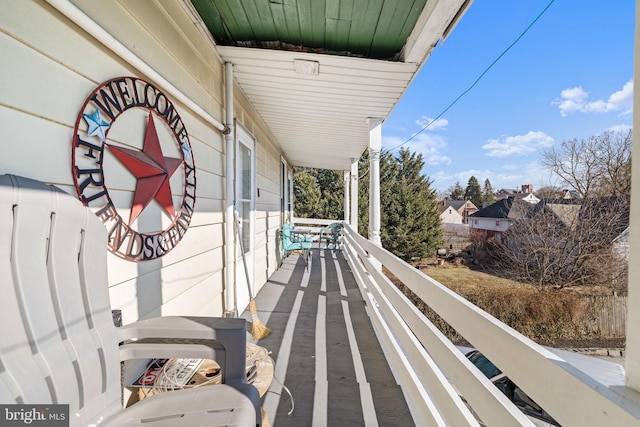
column 374, row 29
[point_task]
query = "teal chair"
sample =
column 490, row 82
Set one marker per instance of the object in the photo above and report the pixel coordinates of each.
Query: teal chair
column 331, row 234
column 292, row 241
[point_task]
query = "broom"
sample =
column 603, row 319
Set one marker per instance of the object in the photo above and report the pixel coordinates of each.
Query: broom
column 258, row 329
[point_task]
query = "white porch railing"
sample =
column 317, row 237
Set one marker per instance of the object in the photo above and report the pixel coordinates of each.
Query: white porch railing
column 312, row 225
column 431, row 370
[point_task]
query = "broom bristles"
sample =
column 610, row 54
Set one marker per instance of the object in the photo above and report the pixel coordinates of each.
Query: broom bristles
column 258, row 330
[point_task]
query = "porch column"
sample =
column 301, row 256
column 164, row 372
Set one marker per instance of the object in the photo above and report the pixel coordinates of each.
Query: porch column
column 375, row 145
column 347, row 178
column 354, row 194
column 632, row 360
column 229, row 199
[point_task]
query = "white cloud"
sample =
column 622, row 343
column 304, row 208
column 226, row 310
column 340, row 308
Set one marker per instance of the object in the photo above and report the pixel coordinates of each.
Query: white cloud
column 430, row 146
column 508, row 176
column 517, row 145
column 481, row 175
column 390, row 142
column 442, row 180
column 498, row 179
column 510, row 167
column 441, row 176
column 619, row 128
column 438, row 124
column 435, row 159
column 577, row 93
column 576, row 99
column 530, row 172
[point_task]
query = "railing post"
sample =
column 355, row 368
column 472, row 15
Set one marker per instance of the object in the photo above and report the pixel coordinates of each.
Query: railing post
column 229, row 197
column 347, row 178
column 354, row 194
column 375, row 145
column 632, row 361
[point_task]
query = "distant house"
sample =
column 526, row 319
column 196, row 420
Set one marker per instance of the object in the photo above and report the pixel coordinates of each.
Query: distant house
column 606, row 217
column 614, row 212
column 497, row 217
column 570, row 194
column 456, row 236
column 607, row 213
column 595, row 229
column 504, row 193
column 527, row 197
column 621, row 245
column 449, row 215
column 464, row 207
column 565, row 211
column 525, row 193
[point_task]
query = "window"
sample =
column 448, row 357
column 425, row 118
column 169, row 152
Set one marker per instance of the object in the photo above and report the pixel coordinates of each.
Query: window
column 245, row 185
column 486, row 367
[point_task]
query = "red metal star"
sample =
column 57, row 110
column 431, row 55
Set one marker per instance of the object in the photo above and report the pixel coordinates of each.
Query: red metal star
column 152, row 171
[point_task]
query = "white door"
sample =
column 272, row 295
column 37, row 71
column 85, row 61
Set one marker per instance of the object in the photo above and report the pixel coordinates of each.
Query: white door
column 290, row 197
column 245, row 205
column 284, row 191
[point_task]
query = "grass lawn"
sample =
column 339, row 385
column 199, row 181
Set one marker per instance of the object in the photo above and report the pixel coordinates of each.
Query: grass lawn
column 557, row 317
column 461, row 276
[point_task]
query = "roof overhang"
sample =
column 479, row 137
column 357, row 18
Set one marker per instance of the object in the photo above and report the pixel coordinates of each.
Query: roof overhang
column 317, row 105
column 319, row 120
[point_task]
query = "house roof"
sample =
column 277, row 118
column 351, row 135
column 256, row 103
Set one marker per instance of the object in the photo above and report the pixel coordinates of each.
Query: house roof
column 616, row 210
column 458, row 204
column 508, row 208
column 506, row 192
column 572, row 212
column 503, row 194
column 365, row 29
column 524, row 196
column 442, row 208
column 567, row 213
column 623, row 237
column 571, row 194
column 316, row 71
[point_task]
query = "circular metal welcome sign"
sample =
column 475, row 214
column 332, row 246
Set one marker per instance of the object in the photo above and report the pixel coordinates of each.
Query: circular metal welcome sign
column 129, row 139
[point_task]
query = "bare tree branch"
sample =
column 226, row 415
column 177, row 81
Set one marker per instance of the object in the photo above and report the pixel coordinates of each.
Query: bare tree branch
column 560, row 243
column 598, row 166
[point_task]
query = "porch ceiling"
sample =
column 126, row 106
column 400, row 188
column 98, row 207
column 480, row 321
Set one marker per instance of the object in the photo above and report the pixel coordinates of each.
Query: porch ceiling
column 316, row 70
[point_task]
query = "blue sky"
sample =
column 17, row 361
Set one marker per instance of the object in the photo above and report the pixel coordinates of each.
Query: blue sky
column 570, row 76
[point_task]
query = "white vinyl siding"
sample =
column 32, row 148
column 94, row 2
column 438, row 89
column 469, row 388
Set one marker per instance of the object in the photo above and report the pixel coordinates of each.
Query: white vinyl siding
column 53, row 65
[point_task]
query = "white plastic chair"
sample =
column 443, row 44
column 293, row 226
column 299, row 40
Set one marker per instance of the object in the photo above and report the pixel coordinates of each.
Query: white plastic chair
column 58, row 343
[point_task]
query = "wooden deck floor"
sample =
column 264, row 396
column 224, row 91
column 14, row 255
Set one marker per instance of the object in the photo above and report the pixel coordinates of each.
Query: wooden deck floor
column 325, row 349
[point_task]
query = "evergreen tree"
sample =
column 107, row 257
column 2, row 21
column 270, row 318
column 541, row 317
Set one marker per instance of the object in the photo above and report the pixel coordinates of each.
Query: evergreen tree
column 363, row 190
column 488, row 197
column 412, row 228
column 388, row 174
column 306, row 193
column 409, row 219
column 319, row 193
column 410, row 223
column 473, row 192
column 331, row 203
column 456, row 192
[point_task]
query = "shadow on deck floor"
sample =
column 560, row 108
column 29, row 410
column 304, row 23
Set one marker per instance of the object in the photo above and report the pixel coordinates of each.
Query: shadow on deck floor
column 325, row 349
